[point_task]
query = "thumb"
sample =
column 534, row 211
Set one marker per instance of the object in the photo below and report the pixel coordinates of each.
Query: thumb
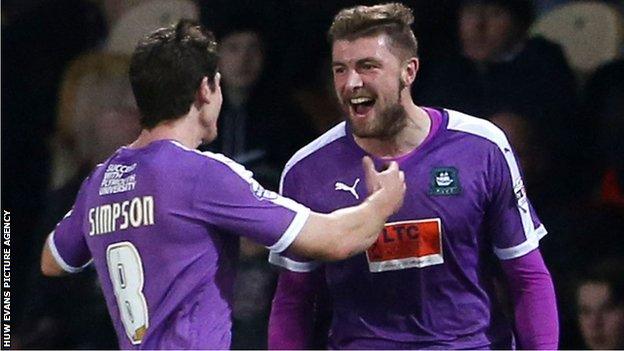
column 393, row 167
column 370, row 174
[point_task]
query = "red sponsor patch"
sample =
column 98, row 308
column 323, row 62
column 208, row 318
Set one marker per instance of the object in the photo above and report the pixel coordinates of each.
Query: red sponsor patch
column 406, row 244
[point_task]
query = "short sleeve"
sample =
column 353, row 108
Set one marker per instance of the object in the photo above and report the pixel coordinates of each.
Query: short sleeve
column 291, row 188
column 227, row 197
column 67, row 241
column 512, row 223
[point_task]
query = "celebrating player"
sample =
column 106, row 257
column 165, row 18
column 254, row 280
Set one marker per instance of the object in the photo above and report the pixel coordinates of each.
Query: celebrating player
column 429, row 279
column 161, row 221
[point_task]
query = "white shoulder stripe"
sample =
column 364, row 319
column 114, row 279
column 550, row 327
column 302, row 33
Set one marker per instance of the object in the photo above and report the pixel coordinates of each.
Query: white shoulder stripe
column 468, row 124
column 477, row 126
column 337, row 132
column 237, row 168
column 61, row 262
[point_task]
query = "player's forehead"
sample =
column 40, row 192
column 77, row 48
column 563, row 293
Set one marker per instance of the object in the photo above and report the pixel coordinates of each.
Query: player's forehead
column 350, row 51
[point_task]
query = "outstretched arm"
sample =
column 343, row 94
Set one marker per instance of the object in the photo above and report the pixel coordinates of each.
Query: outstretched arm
column 535, row 305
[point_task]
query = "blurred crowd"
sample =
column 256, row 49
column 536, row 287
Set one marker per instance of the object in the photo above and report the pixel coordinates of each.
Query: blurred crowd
column 67, row 105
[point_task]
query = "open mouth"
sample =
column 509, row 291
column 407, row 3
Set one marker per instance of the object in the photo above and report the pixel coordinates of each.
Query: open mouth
column 360, row 106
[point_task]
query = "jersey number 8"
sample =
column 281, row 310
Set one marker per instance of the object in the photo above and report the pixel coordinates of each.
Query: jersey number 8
column 126, row 274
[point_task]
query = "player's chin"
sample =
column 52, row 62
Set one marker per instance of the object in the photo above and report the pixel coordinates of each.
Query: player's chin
column 362, row 129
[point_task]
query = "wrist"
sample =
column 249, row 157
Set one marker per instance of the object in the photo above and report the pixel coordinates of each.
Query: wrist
column 375, row 204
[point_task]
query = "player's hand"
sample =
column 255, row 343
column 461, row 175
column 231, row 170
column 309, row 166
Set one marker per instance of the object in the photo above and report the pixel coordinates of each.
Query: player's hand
column 386, row 188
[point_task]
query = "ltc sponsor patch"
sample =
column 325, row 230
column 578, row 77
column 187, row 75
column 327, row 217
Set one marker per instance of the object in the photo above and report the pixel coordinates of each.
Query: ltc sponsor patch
column 407, row 244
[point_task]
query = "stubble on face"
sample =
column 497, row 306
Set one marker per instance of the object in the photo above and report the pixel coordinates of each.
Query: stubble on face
column 388, row 122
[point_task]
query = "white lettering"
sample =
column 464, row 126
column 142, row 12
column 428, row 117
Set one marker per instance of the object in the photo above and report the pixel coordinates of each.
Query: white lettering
column 136, row 212
column 91, row 224
column 116, row 214
column 148, row 210
column 124, row 213
column 107, row 218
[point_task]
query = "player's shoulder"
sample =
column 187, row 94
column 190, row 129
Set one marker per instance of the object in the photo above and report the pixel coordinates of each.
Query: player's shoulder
column 478, row 127
column 215, row 160
column 318, row 146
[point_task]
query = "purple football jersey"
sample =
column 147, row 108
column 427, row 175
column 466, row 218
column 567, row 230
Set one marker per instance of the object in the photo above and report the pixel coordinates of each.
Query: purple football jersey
column 161, row 224
column 428, row 280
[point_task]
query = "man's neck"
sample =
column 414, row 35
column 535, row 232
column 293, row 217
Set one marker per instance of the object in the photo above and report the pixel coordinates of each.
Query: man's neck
column 410, row 137
column 181, row 130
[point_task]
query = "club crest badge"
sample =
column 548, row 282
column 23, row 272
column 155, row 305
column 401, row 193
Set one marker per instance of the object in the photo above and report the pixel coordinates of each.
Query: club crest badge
column 444, row 181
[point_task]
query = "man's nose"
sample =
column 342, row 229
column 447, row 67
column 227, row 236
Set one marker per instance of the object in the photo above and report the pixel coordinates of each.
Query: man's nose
column 354, row 81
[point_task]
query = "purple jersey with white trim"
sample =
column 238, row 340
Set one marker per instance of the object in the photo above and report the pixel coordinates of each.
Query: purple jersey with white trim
column 161, row 224
column 428, row 280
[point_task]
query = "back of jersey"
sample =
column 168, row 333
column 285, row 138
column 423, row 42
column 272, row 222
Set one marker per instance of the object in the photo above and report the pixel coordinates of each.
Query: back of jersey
column 161, row 224
column 165, row 274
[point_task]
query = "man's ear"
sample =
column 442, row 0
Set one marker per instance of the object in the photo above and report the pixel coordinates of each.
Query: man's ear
column 409, row 71
column 207, row 90
column 203, row 93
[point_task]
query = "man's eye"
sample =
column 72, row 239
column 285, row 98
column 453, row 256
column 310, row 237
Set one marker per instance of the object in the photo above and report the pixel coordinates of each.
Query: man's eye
column 367, row 66
column 338, row 70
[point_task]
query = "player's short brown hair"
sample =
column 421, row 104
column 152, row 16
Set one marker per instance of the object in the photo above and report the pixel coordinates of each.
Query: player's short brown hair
column 393, row 19
column 167, row 68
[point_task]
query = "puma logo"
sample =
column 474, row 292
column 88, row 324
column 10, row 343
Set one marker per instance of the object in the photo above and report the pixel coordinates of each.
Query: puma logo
column 344, row 187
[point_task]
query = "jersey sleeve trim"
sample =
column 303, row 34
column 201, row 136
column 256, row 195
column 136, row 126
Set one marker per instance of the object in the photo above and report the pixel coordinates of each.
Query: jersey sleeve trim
column 292, row 231
column 292, row 265
column 61, row 262
column 529, row 245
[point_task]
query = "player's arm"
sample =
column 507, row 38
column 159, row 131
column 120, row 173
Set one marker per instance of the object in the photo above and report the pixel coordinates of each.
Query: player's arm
column 291, row 323
column 49, row 266
column 535, row 306
column 65, row 250
column 516, row 231
column 349, row 231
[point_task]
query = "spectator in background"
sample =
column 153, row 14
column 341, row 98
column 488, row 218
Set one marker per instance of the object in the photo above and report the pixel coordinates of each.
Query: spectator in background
column 97, row 115
column 37, row 44
column 526, row 140
column 604, row 108
column 501, row 70
column 582, row 234
column 600, row 303
column 260, row 128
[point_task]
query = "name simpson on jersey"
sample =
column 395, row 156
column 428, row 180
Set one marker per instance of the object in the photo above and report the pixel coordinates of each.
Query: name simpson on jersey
column 139, row 211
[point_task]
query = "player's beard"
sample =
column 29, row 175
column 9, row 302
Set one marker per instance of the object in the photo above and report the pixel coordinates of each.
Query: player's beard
column 387, row 123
